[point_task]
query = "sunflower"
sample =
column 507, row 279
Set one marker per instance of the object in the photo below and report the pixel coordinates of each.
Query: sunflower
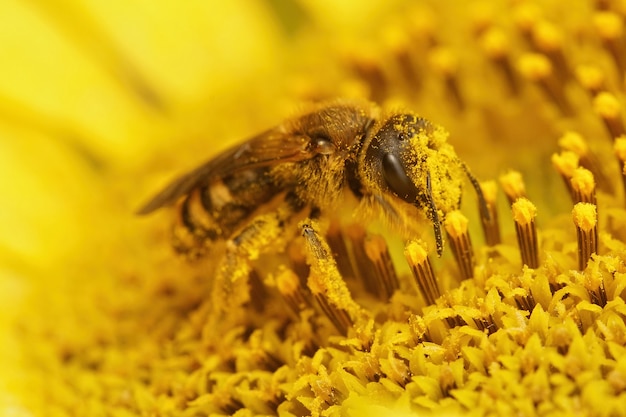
column 524, row 314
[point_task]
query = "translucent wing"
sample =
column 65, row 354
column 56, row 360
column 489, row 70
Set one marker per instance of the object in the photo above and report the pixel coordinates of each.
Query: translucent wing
column 270, row 148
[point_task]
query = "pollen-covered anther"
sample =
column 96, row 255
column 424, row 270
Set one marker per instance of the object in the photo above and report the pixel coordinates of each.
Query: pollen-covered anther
column 417, row 257
column 495, row 45
column 586, row 220
column 591, row 78
column 608, row 107
column 526, row 15
column 456, row 229
column 565, row 163
column 548, row 39
column 583, row 186
column 377, row 251
column 524, row 214
column 610, row 28
column 445, row 62
column 540, row 70
column 491, row 227
column 513, row 185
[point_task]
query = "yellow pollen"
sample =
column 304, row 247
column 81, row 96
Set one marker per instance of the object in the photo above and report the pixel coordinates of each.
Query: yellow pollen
column 524, row 211
column 547, row 37
column 585, row 216
column 456, row 223
column 495, row 43
column 574, row 142
column 583, row 181
column 565, row 162
column 590, row 77
column 513, row 185
column 609, row 25
column 490, row 190
column 607, row 105
column 620, row 148
column 444, row 61
column 535, row 66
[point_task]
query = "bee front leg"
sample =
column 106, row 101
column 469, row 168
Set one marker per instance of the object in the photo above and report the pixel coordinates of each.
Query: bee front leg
column 326, row 283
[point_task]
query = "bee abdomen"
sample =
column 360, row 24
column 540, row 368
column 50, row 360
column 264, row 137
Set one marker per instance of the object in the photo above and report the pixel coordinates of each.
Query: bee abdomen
column 195, row 227
column 213, row 212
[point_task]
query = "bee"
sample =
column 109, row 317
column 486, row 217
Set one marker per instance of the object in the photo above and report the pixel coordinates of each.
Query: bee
column 397, row 166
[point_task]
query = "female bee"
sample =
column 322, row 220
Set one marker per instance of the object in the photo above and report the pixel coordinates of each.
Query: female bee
column 396, row 165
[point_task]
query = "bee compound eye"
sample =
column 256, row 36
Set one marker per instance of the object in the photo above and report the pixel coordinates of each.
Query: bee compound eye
column 397, row 179
column 323, row 145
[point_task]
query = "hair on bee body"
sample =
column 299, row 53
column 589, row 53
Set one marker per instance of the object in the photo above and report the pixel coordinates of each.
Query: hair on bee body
column 397, row 166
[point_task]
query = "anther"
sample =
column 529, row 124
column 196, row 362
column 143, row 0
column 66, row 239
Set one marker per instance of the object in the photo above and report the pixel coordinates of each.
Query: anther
column 583, row 186
column 491, row 227
column 586, row 220
column 524, row 214
column 565, row 163
column 417, row 257
column 513, row 185
column 456, row 228
column 608, row 107
column 539, row 69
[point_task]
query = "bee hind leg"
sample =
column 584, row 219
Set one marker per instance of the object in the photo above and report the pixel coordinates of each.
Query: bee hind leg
column 231, row 287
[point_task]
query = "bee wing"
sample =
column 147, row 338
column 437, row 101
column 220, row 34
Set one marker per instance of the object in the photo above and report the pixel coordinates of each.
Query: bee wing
column 270, row 148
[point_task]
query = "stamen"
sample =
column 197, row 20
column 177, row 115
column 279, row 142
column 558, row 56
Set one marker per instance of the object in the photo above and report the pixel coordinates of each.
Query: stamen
column 566, row 162
column 496, row 46
column 548, row 39
column 456, row 227
column 608, row 107
column 377, row 251
column 417, row 256
column 445, row 62
column 524, row 214
column 574, row 142
column 491, row 227
column 583, row 186
column 513, row 185
column 539, row 69
column 526, row 16
column 610, row 28
column 290, row 287
column 586, row 220
column 591, row 78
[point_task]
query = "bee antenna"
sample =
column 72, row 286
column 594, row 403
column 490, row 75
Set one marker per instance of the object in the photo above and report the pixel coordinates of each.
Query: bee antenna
column 479, row 192
column 434, row 216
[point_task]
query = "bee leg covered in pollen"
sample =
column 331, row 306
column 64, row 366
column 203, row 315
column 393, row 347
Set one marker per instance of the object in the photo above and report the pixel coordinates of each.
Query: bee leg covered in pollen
column 231, row 287
column 325, row 281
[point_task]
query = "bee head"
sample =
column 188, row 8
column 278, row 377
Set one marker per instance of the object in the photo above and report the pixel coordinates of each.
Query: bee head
column 409, row 157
